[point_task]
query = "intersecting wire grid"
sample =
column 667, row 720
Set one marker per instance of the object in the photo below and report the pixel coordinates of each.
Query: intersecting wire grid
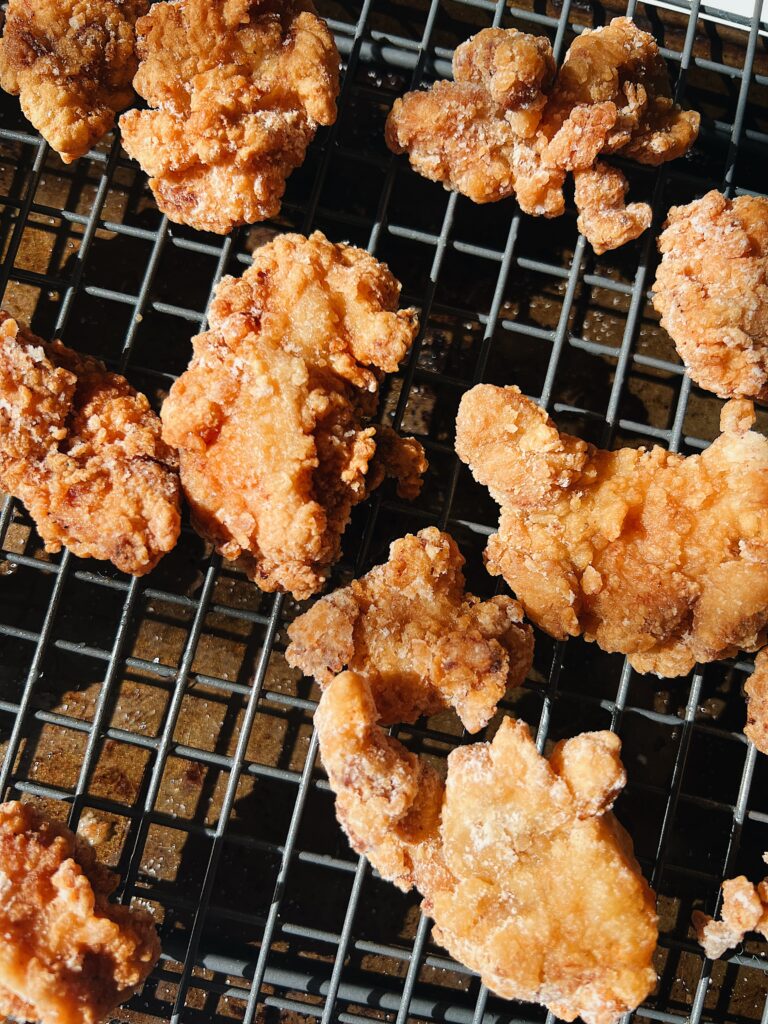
column 261, row 980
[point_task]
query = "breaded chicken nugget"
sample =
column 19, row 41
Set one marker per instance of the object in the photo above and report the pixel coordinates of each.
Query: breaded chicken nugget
column 71, row 62
column 530, row 879
column 420, row 640
column 659, row 556
column 271, row 418
column 237, row 89
column 712, row 292
column 82, row 449
column 68, row 955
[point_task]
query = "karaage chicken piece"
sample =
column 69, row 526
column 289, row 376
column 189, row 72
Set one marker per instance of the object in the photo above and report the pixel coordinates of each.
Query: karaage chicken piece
column 71, row 62
column 659, row 556
column 238, row 88
column 756, row 689
column 507, row 125
column 422, row 643
column 712, row 292
column 68, row 955
column 269, row 418
column 530, row 879
column 744, row 909
column 83, row 450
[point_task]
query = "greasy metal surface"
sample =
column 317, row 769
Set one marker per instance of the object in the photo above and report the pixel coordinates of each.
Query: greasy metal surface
column 160, row 716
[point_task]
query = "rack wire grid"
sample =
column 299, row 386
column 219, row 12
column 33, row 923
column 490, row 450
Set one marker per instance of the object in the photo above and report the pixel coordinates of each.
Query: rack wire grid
column 159, row 716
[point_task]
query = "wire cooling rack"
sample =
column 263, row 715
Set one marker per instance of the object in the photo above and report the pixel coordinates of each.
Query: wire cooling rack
column 159, row 716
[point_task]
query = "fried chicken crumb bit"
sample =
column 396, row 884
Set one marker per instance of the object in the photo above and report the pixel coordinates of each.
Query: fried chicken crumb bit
column 271, row 416
column 71, row 62
column 647, row 552
column 237, row 89
column 756, row 690
column 68, row 955
column 422, row 643
column 744, row 909
column 82, row 449
column 529, row 878
column 508, row 125
column 711, row 290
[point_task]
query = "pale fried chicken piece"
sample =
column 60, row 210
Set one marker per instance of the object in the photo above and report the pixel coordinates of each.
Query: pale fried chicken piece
column 756, row 689
column 712, row 292
column 659, row 556
column 269, row 416
column 83, row 451
column 419, row 639
column 238, row 88
column 604, row 218
column 529, row 878
column 68, row 955
column 504, row 128
column 744, row 909
column 71, row 62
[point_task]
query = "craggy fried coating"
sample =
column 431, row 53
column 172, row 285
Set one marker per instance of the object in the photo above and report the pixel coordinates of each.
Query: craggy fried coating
column 659, row 556
column 744, row 909
column 507, row 126
column 83, row 451
column 756, row 689
column 421, row 641
column 530, row 879
column 712, row 292
column 238, row 89
column 71, row 62
column 269, row 416
column 68, row 955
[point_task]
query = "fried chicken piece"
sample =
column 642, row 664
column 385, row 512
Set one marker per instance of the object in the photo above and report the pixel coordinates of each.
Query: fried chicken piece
column 422, row 643
column 604, row 218
column 68, row 955
column 83, row 451
column 712, row 292
column 744, row 909
column 756, row 689
column 529, row 878
column 238, row 88
column 506, row 126
column 71, row 62
column 269, row 416
column 659, row 556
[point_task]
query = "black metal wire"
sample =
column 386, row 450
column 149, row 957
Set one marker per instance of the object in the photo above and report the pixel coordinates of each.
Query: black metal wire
column 348, row 976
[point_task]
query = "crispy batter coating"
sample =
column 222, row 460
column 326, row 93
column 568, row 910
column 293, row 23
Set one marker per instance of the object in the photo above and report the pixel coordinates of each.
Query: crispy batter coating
column 530, row 879
column 744, row 909
column 421, row 641
column 712, row 292
column 659, row 556
column 269, row 416
column 507, row 126
column 83, row 451
column 68, row 955
column 237, row 90
column 71, row 62
column 756, row 689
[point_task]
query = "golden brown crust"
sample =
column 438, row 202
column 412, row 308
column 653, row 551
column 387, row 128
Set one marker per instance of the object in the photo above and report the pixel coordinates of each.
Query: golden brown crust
column 661, row 557
column 68, row 955
column 237, row 90
column 420, row 641
column 744, row 909
column 712, row 292
column 506, row 126
column 530, row 879
column 756, row 689
column 82, row 449
column 270, row 416
column 71, row 62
